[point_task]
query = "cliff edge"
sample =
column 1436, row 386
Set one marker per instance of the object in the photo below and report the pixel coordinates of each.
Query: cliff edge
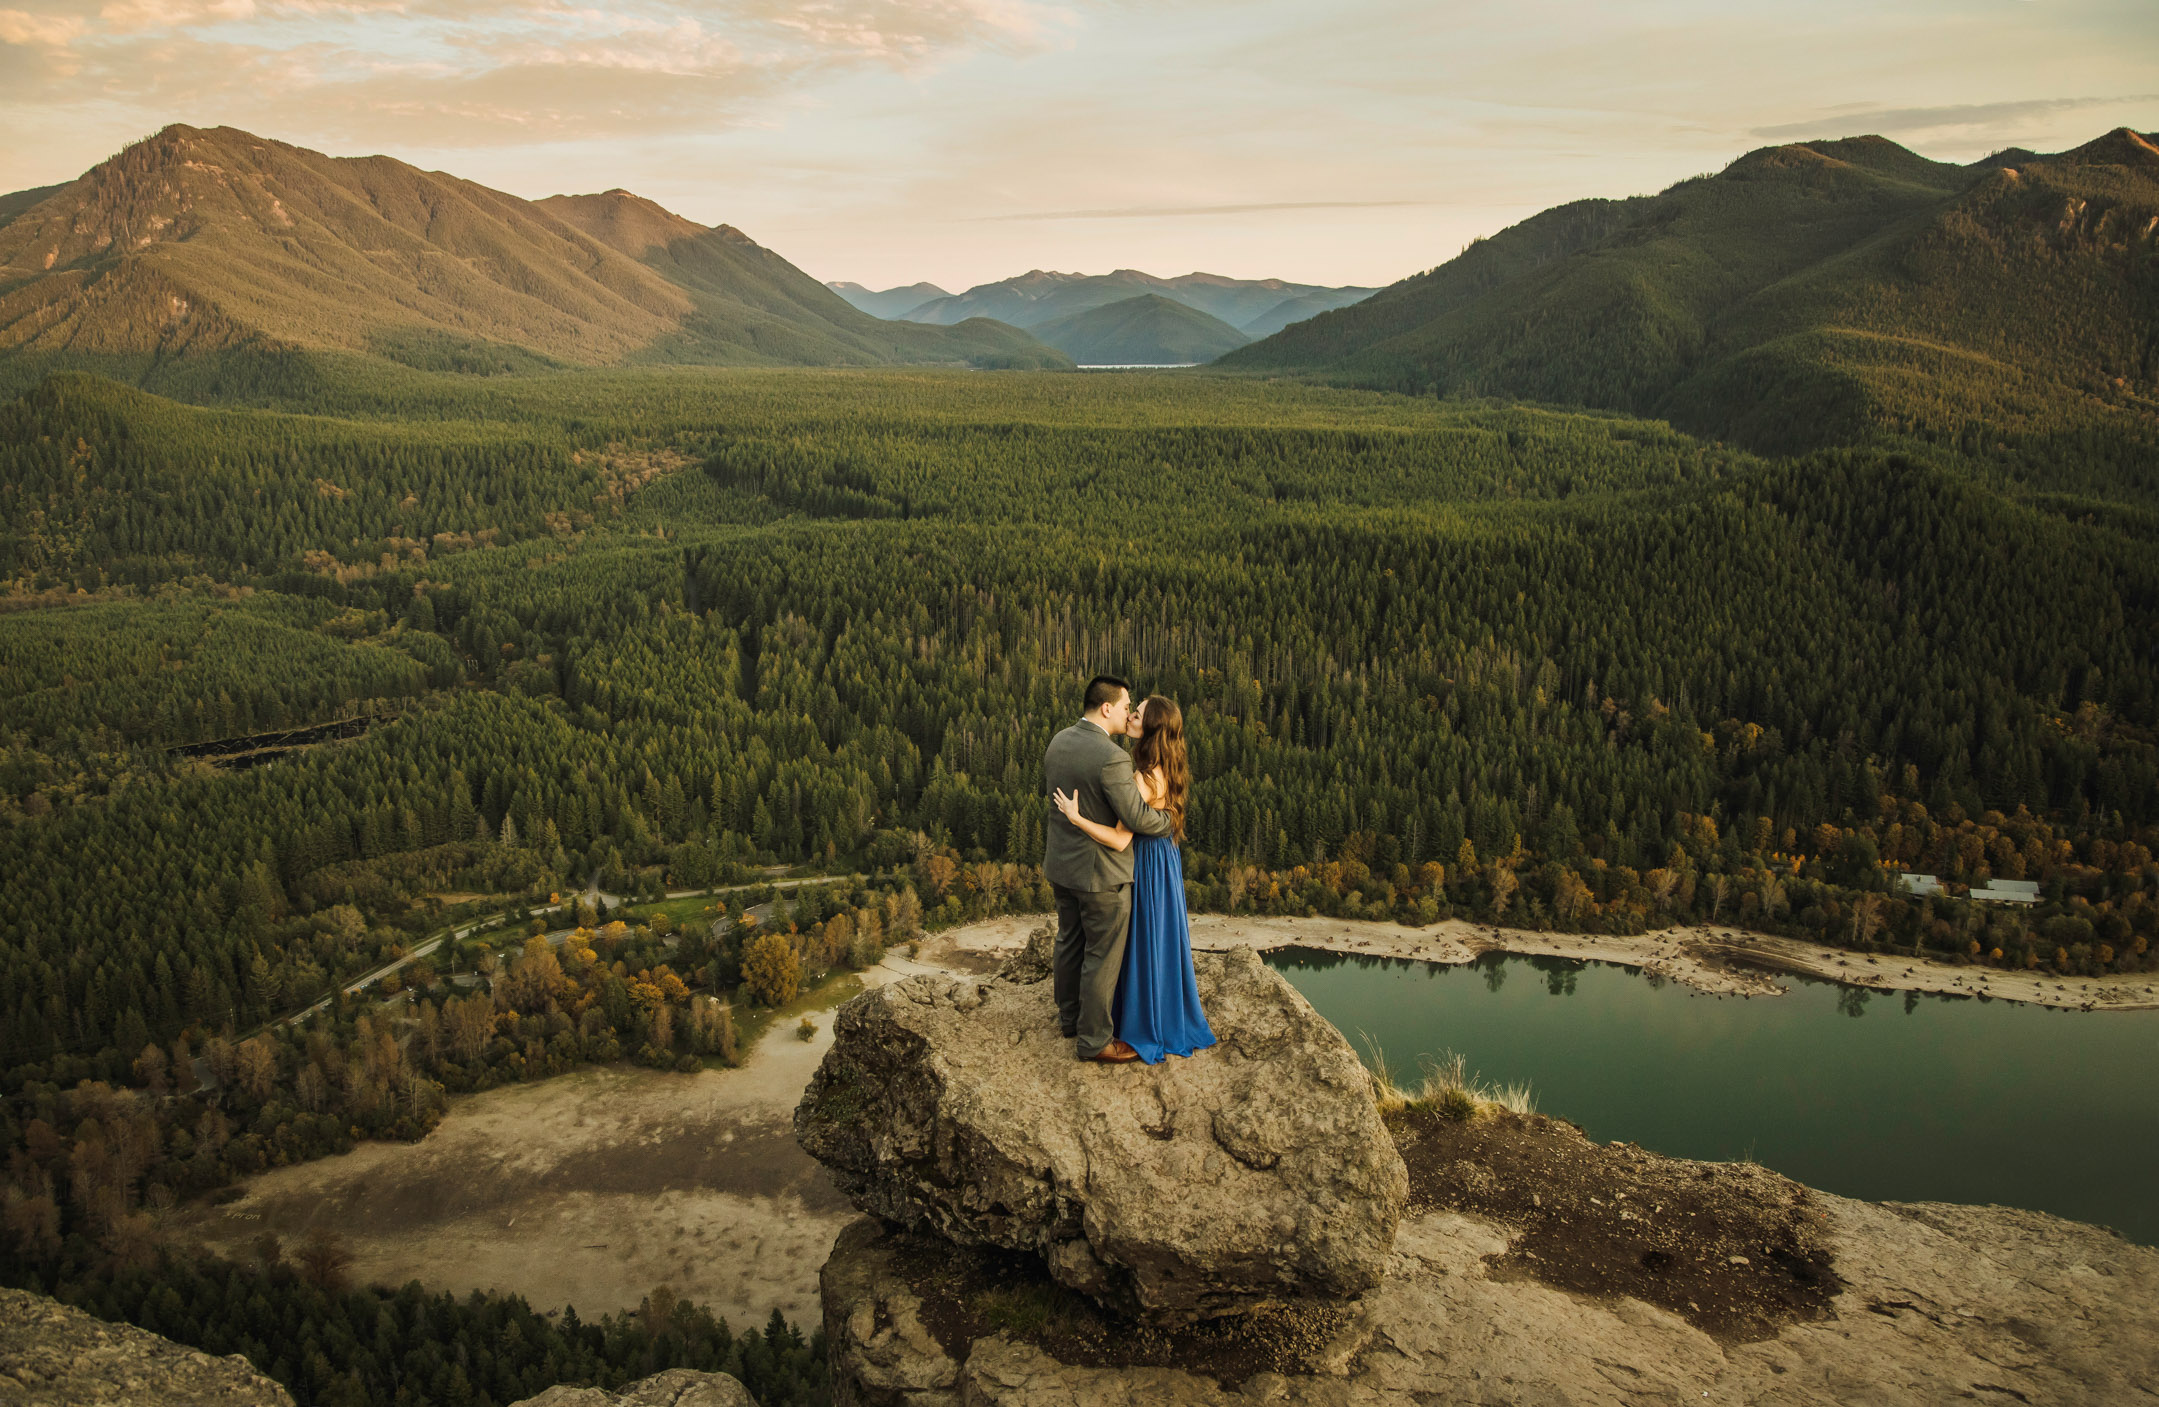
column 53, row 1355
column 1524, row 1263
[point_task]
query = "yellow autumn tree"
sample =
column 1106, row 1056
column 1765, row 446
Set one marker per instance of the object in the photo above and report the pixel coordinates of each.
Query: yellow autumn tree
column 770, row 969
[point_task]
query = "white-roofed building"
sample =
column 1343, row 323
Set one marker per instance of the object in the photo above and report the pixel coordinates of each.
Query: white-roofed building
column 2009, row 891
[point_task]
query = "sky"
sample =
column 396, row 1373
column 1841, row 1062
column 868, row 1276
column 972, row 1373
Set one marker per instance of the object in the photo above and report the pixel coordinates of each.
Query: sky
column 962, row 141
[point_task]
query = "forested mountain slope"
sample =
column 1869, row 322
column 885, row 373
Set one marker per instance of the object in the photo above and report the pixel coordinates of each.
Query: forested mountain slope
column 15, row 202
column 195, row 244
column 1149, row 330
column 1819, row 293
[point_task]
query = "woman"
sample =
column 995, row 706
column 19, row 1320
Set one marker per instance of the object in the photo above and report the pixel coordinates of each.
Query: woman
column 1157, row 1009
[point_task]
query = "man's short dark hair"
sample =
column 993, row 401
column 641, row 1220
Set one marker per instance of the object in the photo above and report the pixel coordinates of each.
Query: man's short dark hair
column 1102, row 689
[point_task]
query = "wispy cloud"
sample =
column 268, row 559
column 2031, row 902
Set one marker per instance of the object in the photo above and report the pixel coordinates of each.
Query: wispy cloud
column 19, row 27
column 476, row 73
column 1850, row 121
column 1150, row 212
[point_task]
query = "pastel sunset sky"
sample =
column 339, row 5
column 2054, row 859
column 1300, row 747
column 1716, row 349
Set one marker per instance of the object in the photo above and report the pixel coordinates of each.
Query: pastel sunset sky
column 958, row 141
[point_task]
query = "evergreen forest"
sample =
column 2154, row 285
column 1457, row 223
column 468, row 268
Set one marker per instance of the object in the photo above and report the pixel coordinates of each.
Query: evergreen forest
column 298, row 677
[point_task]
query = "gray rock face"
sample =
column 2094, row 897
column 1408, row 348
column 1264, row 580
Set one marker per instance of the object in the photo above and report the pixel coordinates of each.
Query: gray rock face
column 882, row 1352
column 677, row 1387
column 1257, row 1172
column 1939, row 1304
column 52, row 1355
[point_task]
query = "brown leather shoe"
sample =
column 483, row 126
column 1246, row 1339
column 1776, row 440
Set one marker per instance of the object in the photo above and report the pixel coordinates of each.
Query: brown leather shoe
column 1115, row 1053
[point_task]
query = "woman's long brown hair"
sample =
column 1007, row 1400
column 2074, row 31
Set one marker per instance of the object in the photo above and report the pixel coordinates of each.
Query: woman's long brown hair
column 1160, row 750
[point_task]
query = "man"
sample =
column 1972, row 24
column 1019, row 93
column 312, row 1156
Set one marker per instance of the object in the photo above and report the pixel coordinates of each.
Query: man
column 1092, row 882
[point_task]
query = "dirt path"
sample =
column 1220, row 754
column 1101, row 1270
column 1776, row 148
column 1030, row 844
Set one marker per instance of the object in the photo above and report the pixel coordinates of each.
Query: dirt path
column 588, row 1189
column 1712, row 959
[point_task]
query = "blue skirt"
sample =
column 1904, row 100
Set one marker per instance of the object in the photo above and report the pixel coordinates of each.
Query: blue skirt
column 1156, row 1010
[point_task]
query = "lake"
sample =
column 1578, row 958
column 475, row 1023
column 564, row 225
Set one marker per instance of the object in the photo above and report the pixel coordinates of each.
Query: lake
column 1886, row 1096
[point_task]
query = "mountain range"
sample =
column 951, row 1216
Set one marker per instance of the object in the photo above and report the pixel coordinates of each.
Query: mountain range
column 1254, row 307
column 195, row 244
column 1149, row 330
column 1810, row 294
column 888, row 302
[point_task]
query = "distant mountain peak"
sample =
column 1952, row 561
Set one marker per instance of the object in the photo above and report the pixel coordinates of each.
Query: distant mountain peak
column 622, row 220
column 194, row 242
column 1146, row 329
column 2120, row 147
column 1041, row 296
column 888, row 303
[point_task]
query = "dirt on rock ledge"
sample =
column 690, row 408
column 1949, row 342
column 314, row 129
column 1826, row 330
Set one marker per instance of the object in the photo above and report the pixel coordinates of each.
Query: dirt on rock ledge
column 1732, row 1248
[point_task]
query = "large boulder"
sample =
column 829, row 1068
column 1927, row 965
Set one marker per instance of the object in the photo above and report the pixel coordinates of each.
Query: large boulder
column 1254, row 1173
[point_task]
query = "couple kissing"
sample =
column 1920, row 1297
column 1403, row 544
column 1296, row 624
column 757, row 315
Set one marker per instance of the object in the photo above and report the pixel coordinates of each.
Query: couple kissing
column 1122, row 964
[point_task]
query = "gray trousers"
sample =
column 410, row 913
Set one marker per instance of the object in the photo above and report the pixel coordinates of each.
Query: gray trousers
column 1091, row 927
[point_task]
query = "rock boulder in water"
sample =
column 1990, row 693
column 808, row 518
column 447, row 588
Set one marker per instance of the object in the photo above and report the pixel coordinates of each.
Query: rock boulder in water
column 1256, row 1172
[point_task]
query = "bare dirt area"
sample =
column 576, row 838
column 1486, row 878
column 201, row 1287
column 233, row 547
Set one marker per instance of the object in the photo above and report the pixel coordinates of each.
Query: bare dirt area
column 1724, row 960
column 588, row 1189
column 1732, row 1248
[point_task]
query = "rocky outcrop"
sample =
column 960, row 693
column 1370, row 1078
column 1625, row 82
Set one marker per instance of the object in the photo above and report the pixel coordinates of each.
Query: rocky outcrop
column 1050, row 1234
column 52, row 1355
column 1558, row 1291
column 1255, row 1174
column 677, row 1387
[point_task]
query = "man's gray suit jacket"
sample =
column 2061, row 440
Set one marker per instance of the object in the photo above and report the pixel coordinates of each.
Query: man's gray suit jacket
column 1086, row 760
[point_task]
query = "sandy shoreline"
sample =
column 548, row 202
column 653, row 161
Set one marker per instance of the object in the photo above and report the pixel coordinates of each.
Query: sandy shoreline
column 1721, row 959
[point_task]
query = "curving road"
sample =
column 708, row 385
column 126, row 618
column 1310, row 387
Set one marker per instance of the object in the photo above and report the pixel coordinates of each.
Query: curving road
column 555, row 936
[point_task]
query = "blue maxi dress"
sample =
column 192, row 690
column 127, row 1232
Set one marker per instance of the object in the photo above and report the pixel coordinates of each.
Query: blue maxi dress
column 1156, row 1010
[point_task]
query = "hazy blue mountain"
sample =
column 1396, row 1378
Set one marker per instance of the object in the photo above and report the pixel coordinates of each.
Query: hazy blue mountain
column 1149, row 330
column 889, row 302
column 1042, row 296
column 1305, row 305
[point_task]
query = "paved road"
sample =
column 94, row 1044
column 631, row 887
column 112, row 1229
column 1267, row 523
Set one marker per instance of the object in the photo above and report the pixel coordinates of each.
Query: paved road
column 594, row 893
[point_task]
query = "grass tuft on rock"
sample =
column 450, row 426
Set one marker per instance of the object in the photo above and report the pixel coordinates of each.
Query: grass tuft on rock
column 1447, row 1088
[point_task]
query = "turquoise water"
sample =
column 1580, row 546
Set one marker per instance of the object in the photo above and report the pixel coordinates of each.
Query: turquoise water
column 1885, row 1096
